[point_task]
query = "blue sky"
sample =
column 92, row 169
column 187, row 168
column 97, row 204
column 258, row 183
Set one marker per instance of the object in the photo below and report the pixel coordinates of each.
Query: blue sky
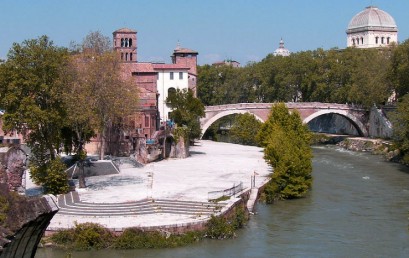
column 243, row 30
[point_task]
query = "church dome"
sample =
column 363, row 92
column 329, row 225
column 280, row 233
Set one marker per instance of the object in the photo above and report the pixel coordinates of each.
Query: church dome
column 372, row 18
column 281, row 50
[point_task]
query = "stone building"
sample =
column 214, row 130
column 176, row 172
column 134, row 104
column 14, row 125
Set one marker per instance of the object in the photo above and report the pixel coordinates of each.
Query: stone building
column 372, row 28
column 154, row 81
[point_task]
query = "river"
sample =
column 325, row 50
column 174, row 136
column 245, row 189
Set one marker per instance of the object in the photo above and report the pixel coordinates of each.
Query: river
column 358, row 207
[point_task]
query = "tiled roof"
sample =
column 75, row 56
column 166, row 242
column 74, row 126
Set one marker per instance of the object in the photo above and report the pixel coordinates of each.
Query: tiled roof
column 144, row 67
column 169, row 67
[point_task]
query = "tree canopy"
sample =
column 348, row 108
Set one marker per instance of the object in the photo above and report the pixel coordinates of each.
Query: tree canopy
column 186, row 111
column 31, row 95
column 244, row 129
column 352, row 75
column 286, row 142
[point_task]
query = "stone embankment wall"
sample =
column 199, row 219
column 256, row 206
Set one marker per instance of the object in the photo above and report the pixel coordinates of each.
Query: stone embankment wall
column 375, row 146
column 22, row 220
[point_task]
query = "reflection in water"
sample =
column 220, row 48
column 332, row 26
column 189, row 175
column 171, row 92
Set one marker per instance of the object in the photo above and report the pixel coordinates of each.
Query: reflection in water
column 358, row 208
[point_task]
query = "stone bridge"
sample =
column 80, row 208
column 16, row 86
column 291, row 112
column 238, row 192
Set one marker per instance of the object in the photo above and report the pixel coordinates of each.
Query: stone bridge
column 357, row 116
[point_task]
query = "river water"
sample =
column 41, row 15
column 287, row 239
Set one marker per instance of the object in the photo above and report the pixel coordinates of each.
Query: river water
column 358, row 207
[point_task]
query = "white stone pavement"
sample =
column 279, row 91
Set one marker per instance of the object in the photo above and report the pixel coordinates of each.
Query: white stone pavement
column 212, row 166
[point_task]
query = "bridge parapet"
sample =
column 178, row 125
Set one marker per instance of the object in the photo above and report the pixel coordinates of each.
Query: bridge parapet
column 290, row 105
column 308, row 111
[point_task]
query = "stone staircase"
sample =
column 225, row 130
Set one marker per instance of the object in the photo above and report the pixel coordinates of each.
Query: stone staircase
column 70, row 204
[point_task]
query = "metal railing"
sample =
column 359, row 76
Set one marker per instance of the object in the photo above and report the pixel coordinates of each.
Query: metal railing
column 213, row 195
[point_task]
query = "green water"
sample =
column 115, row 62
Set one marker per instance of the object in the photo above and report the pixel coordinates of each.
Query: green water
column 358, row 207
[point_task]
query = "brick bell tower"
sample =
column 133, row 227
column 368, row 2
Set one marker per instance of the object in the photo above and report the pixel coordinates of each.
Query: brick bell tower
column 125, row 43
column 187, row 58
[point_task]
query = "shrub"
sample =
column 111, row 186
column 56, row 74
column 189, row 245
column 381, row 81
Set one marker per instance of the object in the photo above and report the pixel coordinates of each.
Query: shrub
column 219, row 228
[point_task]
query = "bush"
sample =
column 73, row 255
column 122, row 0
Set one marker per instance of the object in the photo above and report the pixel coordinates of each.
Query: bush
column 133, row 238
column 219, row 228
column 84, row 236
column 51, row 176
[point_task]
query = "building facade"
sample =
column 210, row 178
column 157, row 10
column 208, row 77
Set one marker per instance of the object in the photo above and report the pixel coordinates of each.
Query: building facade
column 372, row 28
column 153, row 81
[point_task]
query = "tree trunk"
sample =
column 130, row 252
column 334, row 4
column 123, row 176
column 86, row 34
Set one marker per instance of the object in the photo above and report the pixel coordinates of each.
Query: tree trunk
column 81, row 175
column 102, row 146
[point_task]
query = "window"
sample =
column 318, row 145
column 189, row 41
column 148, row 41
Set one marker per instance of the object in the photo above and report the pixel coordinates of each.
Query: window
column 122, row 43
column 362, row 40
column 376, row 40
column 130, row 42
column 130, row 56
column 353, row 42
column 146, row 121
column 126, row 56
column 171, row 91
column 171, row 75
column 388, row 39
column 122, row 56
column 180, row 75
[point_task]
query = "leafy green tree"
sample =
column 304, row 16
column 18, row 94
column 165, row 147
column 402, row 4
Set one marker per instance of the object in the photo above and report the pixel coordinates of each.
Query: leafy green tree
column 244, row 129
column 96, row 96
column 286, row 148
column 400, row 121
column 31, row 92
column 186, row 111
column 399, row 70
column 51, row 176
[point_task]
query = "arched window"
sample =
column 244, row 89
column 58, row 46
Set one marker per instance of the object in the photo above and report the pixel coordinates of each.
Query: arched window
column 171, row 91
column 130, row 56
column 388, row 40
column 126, row 43
column 122, row 42
column 362, row 40
column 376, row 40
column 130, row 42
column 122, row 56
column 126, row 56
column 353, row 42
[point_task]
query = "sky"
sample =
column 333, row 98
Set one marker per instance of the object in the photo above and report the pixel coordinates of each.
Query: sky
column 241, row 30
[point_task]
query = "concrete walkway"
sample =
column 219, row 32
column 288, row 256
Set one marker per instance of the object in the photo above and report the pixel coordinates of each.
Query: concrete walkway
column 168, row 192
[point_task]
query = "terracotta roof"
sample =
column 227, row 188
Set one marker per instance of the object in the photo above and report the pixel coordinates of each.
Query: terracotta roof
column 169, row 67
column 126, row 30
column 144, row 67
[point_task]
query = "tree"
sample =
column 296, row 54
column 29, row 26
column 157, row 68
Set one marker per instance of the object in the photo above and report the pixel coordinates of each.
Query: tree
column 186, row 111
column 244, row 129
column 31, row 94
column 97, row 96
column 286, row 148
column 399, row 72
column 400, row 122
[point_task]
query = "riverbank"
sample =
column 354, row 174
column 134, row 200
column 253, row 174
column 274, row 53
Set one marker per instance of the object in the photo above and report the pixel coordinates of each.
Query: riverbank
column 374, row 146
column 211, row 168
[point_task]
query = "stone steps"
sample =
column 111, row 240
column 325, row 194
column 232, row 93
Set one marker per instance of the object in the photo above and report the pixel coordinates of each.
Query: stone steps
column 70, row 204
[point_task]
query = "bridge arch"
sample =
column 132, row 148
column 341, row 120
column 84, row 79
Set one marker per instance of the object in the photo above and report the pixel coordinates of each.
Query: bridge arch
column 354, row 120
column 226, row 113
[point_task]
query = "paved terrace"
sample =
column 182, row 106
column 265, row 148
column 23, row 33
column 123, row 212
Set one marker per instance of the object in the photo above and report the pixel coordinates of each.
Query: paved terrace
column 168, row 192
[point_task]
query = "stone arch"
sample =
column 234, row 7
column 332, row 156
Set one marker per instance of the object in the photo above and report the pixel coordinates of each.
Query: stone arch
column 209, row 122
column 355, row 121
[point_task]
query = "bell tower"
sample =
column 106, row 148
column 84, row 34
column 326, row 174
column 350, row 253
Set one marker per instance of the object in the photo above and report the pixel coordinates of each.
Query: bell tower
column 125, row 44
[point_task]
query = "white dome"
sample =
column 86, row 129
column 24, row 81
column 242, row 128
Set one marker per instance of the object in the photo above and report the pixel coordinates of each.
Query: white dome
column 372, row 18
column 281, row 50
